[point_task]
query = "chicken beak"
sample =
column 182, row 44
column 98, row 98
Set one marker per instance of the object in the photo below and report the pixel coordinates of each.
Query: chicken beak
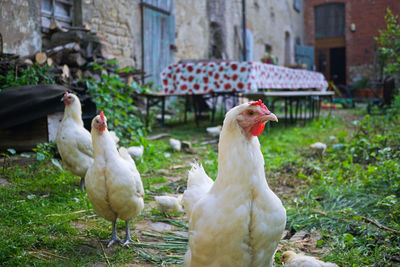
column 270, row 117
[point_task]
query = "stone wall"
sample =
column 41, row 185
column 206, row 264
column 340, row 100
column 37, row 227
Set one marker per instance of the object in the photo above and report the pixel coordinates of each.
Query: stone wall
column 20, row 26
column 203, row 27
column 269, row 21
column 197, row 21
column 118, row 27
column 192, row 29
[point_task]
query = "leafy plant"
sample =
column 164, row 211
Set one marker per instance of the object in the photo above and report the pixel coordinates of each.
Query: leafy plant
column 7, row 157
column 389, row 44
column 114, row 97
column 31, row 76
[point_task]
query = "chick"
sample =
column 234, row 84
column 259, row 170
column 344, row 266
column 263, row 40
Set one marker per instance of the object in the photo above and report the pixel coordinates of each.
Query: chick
column 175, row 144
column 214, row 131
column 292, row 259
column 169, row 204
column 136, row 152
column 319, row 148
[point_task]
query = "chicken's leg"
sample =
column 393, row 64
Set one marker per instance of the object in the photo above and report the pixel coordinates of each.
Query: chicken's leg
column 127, row 239
column 114, row 237
column 82, row 184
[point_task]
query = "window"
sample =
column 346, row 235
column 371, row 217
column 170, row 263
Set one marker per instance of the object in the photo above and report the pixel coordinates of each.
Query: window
column 329, row 20
column 297, row 5
column 288, row 48
column 56, row 10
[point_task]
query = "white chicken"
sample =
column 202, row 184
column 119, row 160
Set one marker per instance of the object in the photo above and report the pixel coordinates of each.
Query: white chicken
column 113, row 183
column 74, row 142
column 175, row 144
column 237, row 220
column 136, row 152
column 319, row 148
column 168, row 204
column 291, row 259
column 214, row 131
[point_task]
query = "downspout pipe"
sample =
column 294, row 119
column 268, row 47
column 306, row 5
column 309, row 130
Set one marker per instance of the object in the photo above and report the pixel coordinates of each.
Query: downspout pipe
column 244, row 29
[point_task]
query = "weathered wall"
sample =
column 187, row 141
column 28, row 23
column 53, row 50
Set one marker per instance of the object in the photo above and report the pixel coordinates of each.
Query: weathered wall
column 368, row 16
column 118, row 27
column 192, row 26
column 19, row 26
column 269, row 21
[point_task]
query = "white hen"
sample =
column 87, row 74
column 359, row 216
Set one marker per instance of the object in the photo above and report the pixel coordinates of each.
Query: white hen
column 74, row 142
column 175, row 144
column 238, row 220
column 113, row 183
column 136, row 152
column 291, row 259
column 168, row 204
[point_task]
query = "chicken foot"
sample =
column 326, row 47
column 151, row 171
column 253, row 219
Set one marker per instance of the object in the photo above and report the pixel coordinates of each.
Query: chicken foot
column 114, row 237
column 127, row 239
column 82, row 184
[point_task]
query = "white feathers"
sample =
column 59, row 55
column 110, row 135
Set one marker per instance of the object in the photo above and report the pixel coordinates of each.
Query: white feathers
column 136, row 152
column 168, row 204
column 175, row 144
column 319, row 148
column 74, row 142
column 113, row 184
column 198, row 185
column 214, row 131
column 114, row 137
column 291, row 259
column 236, row 220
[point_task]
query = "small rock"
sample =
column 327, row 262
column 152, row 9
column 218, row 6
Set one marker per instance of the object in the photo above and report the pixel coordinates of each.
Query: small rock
column 4, row 182
column 186, row 146
column 160, row 227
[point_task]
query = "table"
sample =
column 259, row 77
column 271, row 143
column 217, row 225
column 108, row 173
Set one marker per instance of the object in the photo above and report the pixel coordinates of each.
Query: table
column 234, row 76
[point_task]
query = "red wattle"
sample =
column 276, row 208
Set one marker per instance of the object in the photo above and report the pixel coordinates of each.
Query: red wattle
column 257, row 129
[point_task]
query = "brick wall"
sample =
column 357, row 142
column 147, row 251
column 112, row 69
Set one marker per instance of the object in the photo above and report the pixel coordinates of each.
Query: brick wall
column 368, row 17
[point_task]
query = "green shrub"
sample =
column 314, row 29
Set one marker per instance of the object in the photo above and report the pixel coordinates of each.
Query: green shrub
column 31, row 76
column 389, row 44
column 114, row 98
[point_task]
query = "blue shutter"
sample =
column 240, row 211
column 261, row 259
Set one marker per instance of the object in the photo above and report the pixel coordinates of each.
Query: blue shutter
column 159, row 35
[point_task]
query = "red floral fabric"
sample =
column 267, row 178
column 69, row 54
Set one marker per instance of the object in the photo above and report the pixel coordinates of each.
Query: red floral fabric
column 207, row 77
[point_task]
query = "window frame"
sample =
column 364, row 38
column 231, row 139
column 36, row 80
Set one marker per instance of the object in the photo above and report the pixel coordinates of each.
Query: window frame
column 53, row 16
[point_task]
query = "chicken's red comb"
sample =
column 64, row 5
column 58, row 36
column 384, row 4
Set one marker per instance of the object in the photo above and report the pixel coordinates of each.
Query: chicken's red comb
column 258, row 103
column 102, row 116
column 66, row 93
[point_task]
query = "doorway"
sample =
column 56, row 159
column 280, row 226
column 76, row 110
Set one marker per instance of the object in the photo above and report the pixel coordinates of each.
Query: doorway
column 158, row 39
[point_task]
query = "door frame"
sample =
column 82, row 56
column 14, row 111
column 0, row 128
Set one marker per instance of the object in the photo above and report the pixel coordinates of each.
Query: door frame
column 325, row 44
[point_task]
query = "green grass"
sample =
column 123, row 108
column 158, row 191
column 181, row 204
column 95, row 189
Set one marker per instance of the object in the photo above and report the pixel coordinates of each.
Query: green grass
column 46, row 221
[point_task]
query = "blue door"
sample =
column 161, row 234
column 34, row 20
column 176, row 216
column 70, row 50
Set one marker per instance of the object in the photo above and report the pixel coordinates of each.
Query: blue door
column 158, row 38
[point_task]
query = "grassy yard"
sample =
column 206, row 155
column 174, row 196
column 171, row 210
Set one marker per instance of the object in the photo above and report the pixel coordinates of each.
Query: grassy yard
column 343, row 207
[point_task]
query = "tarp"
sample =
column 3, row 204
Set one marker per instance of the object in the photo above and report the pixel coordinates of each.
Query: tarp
column 26, row 103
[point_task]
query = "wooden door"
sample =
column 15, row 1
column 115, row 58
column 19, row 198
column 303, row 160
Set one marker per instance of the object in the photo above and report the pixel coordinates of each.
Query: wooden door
column 158, row 38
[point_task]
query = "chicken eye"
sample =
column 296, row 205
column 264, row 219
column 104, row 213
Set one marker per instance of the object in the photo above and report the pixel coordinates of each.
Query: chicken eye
column 250, row 113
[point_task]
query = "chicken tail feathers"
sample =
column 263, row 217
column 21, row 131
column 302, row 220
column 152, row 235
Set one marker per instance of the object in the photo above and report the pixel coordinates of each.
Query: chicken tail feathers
column 123, row 152
column 198, row 185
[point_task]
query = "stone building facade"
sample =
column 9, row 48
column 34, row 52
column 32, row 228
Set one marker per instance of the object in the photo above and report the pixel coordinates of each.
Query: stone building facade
column 362, row 21
column 203, row 29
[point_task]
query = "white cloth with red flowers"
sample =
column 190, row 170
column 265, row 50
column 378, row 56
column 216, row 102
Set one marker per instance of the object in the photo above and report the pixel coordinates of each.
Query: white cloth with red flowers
column 231, row 76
